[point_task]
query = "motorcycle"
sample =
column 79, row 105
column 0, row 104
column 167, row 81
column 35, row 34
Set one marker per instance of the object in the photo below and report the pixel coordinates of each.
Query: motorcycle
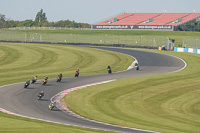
column 76, row 74
column 51, row 106
column 136, row 66
column 26, row 85
column 39, row 96
column 109, row 71
column 33, row 81
column 44, row 82
column 59, row 79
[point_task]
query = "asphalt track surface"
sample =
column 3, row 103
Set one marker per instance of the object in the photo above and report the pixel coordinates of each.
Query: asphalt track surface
column 23, row 101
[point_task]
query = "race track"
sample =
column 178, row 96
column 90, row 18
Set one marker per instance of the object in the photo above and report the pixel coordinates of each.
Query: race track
column 16, row 99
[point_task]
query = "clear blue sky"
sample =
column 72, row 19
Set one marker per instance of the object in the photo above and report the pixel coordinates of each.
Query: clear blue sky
column 90, row 11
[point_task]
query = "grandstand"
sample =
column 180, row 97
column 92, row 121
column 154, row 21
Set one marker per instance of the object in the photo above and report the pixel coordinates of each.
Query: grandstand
column 146, row 21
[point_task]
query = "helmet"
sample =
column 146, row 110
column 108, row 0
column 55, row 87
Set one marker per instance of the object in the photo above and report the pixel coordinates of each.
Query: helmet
column 42, row 91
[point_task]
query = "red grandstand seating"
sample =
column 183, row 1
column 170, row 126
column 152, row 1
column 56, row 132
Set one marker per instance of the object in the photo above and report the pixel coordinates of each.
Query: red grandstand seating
column 187, row 18
column 166, row 18
column 135, row 19
column 119, row 17
column 158, row 19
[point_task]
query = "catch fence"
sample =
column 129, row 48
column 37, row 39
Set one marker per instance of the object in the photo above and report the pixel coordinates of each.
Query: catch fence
column 125, row 40
column 96, row 39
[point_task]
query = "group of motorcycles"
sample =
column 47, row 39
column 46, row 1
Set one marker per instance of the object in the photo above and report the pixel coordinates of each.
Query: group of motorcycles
column 41, row 94
column 51, row 105
column 29, row 82
column 34, row 80
column 59, row 78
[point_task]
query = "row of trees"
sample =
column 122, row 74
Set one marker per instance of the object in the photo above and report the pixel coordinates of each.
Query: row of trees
column 40, row 21
column 189, row 26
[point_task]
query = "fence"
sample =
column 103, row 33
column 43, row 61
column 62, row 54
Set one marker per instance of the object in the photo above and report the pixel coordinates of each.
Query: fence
column 128, row 40
column 191, row 43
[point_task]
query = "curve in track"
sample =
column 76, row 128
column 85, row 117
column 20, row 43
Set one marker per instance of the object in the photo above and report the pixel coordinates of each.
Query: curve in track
column 16, row 99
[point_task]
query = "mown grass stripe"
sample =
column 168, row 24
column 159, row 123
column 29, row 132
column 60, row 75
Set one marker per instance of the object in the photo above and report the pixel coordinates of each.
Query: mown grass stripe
column 10, row 55
column 20, row 62
column 42, row 60
column 163, row 103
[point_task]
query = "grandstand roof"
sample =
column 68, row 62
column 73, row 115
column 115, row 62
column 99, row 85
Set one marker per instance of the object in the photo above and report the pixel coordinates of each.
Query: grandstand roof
column 173, row 19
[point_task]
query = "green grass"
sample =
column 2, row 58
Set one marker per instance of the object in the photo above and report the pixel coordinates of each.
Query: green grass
column 10, row 124
column 167, row 103
column 101, row 36
column 19, row 62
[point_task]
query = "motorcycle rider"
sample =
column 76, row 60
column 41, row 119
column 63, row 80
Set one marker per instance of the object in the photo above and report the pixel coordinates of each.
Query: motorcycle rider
column 28, row 82
column 34, row 79
column 136, row 66
column 51, row 105
column 45, row 80
column 109, row 69
column 60, row 76
column 41, row 93
column 77, row 72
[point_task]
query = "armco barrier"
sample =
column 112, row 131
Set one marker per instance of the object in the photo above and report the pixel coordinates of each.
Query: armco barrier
column 190, row 50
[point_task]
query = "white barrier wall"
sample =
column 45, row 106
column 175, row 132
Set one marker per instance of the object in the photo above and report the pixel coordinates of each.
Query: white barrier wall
column 190, row 50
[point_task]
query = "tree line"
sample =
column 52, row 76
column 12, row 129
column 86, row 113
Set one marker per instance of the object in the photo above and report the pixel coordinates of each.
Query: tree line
column 193, row 25
column 40, row 21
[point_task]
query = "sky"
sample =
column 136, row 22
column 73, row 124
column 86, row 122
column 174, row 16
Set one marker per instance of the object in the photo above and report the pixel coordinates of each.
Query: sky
column 90, row 11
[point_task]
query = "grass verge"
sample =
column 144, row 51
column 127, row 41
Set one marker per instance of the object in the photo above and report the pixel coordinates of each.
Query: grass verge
column 165, row 103
column 10, row 123
column 19, row 62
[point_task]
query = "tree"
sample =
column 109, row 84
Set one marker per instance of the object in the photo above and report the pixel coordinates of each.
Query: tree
column 27, row 23
column 40, row 17
column 2, row 20
column 41, row 21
